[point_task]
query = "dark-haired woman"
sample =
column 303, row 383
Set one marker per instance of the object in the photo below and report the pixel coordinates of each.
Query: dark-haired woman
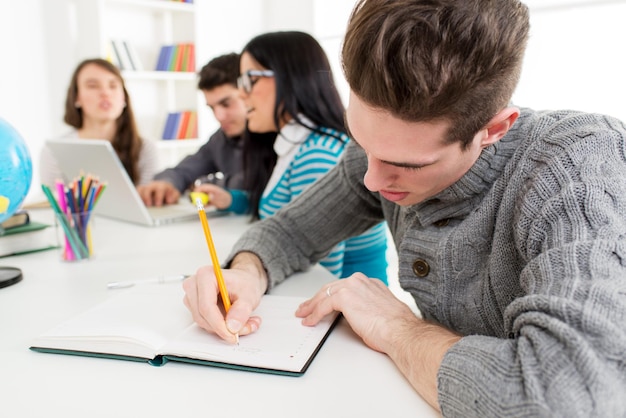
column 297, row 134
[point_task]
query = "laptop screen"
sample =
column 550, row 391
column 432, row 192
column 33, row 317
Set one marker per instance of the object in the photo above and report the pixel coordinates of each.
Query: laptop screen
column 120, row 199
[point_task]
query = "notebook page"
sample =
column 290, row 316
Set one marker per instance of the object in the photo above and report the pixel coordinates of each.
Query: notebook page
column 281, row 343
column 133, row 322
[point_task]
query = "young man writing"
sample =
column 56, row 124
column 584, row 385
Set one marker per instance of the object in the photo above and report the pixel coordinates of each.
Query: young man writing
column 223, row 151
column 509, row 222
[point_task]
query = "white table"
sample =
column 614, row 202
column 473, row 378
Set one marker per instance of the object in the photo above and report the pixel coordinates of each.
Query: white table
column 346, row 379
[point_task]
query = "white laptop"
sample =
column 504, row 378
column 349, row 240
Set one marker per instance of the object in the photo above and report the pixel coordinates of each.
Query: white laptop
column 120, row 200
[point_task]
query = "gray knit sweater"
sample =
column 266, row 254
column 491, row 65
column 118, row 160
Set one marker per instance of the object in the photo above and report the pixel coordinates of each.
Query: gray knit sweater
column 526, row 258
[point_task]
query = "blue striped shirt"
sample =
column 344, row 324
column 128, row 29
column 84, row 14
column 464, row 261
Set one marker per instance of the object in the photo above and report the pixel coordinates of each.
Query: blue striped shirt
column 300, row 163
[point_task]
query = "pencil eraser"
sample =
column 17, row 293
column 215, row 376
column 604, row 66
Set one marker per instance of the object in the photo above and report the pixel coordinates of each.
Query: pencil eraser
column 204, row 198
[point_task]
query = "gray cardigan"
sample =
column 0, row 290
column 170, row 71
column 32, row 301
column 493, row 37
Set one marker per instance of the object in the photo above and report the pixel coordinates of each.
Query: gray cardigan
column 526, row 256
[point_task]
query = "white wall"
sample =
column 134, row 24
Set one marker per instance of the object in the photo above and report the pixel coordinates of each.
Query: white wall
column 575, row 57
column 24, row 91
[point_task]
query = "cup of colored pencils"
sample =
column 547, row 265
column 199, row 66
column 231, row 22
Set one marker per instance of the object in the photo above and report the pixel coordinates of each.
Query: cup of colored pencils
column 73, row 206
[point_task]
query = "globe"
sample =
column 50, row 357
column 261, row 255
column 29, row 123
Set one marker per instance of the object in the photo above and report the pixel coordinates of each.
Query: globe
column 16, row 170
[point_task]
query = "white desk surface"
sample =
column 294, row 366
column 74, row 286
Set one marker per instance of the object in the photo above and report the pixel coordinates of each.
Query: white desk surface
column 346, row 379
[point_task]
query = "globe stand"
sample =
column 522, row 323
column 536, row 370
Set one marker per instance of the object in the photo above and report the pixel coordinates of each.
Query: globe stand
column 9, row 276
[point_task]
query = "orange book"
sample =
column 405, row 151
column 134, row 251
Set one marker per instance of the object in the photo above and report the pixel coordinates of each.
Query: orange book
column 192, row 58
column 192, row 126
column 184, row 66
column 178, row 62
column 174, row 58
column 182, row 127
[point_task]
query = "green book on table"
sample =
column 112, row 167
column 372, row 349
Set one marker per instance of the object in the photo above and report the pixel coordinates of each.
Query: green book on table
column 28, row 238
column 149, row 323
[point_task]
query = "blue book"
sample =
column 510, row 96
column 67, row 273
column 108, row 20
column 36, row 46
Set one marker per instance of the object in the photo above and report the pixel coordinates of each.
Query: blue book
column 165, row 55
column 171, row 125
column 169, row 55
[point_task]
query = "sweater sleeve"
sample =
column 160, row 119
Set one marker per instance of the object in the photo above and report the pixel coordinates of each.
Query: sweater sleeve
column 330, row 210
column 240, row 203
column 565, row 354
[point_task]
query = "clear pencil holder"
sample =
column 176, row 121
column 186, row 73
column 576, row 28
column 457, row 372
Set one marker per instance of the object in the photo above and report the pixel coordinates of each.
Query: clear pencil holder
column 75, row 235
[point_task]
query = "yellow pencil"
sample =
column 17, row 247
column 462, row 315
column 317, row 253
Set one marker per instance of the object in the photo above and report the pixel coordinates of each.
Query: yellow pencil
column 216, row 264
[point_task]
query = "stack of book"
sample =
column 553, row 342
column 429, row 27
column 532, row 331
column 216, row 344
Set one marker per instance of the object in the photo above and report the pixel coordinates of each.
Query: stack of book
column 20, row 235
column 181, row 125
column 177, row 57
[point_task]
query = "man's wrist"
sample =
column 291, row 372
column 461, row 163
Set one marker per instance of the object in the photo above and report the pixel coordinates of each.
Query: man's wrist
column 251, row 263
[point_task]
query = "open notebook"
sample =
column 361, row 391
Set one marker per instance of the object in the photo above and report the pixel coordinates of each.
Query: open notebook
column 149, row 323
column 120, row 199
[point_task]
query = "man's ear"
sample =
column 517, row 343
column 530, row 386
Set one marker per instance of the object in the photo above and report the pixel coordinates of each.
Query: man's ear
column 499, row 125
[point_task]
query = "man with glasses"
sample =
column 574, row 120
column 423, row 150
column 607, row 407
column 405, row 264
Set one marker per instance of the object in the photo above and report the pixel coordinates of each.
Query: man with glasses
column 218, row 161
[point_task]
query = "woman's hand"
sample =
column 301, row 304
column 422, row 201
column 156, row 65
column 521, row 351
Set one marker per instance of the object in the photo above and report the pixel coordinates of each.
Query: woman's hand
column 218, row 197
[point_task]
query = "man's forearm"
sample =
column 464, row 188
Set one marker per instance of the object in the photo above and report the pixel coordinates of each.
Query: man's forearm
column 418, row 348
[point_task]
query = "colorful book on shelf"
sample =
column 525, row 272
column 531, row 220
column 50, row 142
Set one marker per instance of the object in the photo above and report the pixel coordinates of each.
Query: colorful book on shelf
column 188, row 63
column 149, row 323
column 178, row 57
column 171, row 125
column 182, row 126
column 28, row 238
column 184, row 62
column 161, row 59
column 165, row 57
column 174, row 58
column 191, row 65
column 192, row 126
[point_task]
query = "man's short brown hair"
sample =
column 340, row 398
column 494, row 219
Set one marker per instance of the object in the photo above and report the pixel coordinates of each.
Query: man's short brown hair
column 219, row 71
column 427, row 60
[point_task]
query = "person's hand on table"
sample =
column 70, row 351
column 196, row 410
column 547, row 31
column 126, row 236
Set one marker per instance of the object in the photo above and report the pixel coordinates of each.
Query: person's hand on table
column 370, row 308
column 387, row 325
column 158, row 193
column 246, row 282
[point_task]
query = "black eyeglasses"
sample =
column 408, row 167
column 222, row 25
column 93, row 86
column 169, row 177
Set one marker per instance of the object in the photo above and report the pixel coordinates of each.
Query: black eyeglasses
column 245, row 82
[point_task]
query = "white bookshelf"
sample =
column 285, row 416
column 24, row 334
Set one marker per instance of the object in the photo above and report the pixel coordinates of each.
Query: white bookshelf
column 147, row 25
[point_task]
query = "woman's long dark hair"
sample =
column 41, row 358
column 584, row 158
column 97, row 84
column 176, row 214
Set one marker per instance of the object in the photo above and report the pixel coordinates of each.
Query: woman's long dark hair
column 127, row 143
column 304, row 87
column 259, row 161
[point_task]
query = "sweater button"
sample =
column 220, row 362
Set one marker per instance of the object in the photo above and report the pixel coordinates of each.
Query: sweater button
column 421, row 268
column 443, row 222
